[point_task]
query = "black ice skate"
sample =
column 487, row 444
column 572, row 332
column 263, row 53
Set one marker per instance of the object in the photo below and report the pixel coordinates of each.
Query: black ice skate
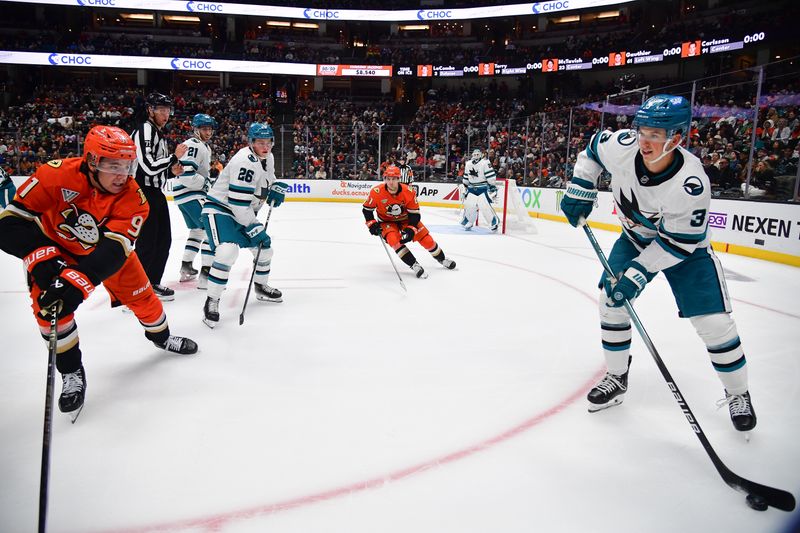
column 211, row 312
column 188, row 272
column 265, row 293
column 73, row 392
column 202, row 281
column 449, row 264
column 609, row 392
column 419, row 271
column 165, row 294
column 743, row 415
column 179, row 345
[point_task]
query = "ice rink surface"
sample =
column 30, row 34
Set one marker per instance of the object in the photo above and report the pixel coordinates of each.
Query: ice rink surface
column 356, row 407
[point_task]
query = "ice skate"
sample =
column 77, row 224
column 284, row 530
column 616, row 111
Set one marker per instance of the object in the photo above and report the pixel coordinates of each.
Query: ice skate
column 419, row 271
column 211, row 312
column 188, row 272
column 609, row 392
column 448, row 264
column 202, row 281
column 165, row 294
column 741, row 409
column 73, row 392
column 179, row 345
column 265, row 293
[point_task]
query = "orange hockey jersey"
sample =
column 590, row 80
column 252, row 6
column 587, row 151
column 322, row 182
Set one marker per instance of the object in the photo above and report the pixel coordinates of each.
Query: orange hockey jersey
column 74, row 214
column 392, row 207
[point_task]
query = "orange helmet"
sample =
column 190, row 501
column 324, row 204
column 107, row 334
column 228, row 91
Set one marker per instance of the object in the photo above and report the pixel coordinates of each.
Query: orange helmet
column 108, row 141
column 391, row 172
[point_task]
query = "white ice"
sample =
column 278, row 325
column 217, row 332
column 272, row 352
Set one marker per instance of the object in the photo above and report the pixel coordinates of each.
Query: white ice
column 357, row 407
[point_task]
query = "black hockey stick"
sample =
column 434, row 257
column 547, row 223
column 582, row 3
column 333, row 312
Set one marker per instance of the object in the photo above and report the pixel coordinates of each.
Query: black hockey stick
column 255, row 266
column 47, row 432
column 392, row 262
column 780, row 499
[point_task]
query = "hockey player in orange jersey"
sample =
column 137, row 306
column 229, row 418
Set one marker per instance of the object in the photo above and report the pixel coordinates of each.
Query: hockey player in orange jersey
column 398, row 220
column 74, row 224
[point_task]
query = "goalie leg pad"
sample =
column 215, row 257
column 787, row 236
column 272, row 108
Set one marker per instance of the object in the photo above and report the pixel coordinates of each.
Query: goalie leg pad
column 718, row 331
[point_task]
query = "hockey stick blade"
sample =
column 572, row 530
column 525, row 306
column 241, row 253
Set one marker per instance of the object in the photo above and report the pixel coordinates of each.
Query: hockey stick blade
column 780, row 499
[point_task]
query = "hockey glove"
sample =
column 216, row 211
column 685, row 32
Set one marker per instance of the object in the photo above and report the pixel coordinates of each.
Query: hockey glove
column 407, row 234
column 256, row 235
column 493, row 193
column 577, row 203
column 67, row 291
column 375, row 228
column 277, row 193
column 44, row 264
column 629, row 286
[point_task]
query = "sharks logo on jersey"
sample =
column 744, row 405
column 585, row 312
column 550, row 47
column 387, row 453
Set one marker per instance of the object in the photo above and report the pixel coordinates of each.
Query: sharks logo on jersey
column 634, row 214
column 693, row 186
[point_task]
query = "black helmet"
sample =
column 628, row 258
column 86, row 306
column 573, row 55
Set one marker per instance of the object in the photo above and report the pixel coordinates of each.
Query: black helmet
column 155, row 99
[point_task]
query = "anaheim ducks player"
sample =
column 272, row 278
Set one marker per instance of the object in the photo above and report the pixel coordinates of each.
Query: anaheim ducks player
column 398, row 220
column 74, row 224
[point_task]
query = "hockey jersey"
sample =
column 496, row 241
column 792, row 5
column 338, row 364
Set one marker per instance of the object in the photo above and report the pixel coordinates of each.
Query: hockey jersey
column 192, row 184
column 76, row 215
column 664, row 215
column 392, row 207
column 242, row 187
column 478, row 176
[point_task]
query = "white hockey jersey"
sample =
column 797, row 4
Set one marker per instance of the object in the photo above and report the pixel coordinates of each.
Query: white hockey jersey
column 480, row 174
column 663, row 215
column 196, row 169
column 242, row 187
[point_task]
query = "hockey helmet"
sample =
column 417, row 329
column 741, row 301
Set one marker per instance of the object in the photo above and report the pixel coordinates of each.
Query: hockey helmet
column 391, row 172
column 109, row 149
column 258, row 130
column 157, row 99
column 672, row 113
column 201, row 120
column 477, row 155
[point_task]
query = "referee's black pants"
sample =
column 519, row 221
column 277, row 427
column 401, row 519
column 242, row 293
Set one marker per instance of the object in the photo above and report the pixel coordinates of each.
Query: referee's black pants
column 155, row 239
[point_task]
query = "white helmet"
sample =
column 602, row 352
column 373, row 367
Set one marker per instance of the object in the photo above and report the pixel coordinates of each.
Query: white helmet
column 477, row 155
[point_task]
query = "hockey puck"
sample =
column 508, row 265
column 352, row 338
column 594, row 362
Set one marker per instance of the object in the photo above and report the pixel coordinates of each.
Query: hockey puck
column 757, row 502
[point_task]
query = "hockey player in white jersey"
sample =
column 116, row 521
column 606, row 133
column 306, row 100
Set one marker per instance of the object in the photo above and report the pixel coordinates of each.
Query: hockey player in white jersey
column 480, row 182
column 662, row 196
column 189, row 193
column 229, row 217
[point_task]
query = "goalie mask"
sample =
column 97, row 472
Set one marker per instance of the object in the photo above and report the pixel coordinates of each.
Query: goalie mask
column 477, row 155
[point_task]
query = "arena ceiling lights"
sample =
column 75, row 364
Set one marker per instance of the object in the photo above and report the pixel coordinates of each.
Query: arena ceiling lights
column 196, row 7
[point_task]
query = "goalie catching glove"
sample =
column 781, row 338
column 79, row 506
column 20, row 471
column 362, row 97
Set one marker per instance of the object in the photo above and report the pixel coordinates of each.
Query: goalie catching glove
column 67, row 292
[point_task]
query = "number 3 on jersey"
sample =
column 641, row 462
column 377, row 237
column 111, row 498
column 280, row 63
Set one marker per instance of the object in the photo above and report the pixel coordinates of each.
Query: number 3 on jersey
column 698, row 219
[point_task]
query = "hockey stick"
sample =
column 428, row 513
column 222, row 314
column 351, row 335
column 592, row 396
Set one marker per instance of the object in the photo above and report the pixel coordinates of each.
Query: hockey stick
column 392, row 262
column 255, row 265
column 47, row 432
column 780, row 499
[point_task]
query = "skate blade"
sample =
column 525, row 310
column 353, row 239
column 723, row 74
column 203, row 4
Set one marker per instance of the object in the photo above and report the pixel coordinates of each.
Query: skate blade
column 202, row 288
column 73, row 415
column 210, row 323
column 187, row 277
column 594, row 407
column 268, row 299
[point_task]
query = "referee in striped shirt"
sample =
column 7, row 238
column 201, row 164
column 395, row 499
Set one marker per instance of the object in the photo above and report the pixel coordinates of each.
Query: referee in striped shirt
column 156, row 166
column 406, row 174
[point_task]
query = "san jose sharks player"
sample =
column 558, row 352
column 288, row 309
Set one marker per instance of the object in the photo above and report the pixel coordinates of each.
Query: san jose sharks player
column 480, row 182
column 7, row 189
column 229, row 217
column 662, row 197
column 189, row 193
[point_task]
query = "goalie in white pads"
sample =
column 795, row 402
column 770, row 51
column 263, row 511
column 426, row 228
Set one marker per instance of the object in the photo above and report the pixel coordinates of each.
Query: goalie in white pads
column 480, row 182
column 662, row 195
column 229, row 217
column 189, row 193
